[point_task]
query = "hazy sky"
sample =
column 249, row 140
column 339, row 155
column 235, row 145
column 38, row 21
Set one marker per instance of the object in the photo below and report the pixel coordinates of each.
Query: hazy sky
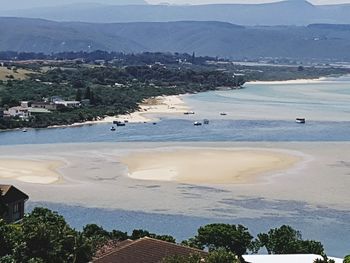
column 240, row 1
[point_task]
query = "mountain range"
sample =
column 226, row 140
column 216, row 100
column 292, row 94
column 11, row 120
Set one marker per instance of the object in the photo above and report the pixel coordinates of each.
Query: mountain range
column 317, row 41
column 289, row 12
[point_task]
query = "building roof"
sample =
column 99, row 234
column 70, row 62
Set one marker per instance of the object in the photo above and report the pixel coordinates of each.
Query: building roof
column 11, row 194
column 285, row 258
column 146, row 250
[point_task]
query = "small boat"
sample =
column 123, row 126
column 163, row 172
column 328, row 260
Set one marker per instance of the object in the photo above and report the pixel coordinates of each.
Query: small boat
column 154, row 123
column 300, row 120
column 197, row 123
column 24, row 130
column 112, row 128
column 119, row 123
column 206, row 121
column 189, row 112
column 223, row 113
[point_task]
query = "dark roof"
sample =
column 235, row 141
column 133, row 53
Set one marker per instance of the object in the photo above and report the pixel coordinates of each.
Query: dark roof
column 11, row 194
column 146, row 250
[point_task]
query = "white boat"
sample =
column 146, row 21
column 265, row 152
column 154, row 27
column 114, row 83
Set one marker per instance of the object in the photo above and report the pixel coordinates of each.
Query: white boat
column 300, row 120
column 112, row 128
column 24, row 130
column 197, row 123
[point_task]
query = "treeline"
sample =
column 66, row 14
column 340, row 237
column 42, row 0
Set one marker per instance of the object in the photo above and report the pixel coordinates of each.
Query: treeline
column 122, row 58
column 110, row 90
column 44, row 236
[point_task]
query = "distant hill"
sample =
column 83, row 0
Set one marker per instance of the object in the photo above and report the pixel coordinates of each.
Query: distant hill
column 290, row 12
column 317, row 41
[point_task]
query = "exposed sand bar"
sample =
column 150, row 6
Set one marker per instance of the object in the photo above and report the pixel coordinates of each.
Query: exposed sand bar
column 208, row 166
column 29, row 171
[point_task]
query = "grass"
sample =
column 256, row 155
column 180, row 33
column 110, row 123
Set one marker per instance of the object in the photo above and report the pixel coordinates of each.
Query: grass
column 18, row 74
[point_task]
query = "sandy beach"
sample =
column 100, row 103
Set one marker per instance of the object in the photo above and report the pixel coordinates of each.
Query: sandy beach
column 29, row 171
column 207, row 166
column 150, row 110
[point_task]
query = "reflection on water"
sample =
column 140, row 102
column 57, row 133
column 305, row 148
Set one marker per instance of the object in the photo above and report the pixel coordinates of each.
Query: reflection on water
column 184, row 130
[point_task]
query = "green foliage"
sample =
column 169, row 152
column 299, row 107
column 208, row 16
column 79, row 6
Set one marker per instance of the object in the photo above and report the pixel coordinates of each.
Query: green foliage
column 195, row 258
column 46, row 237
column 8, row 238
column 140, row 233
column 233, row 238
column 286, row 240
column 221, row 256
column 324, row 259
column 347, row 259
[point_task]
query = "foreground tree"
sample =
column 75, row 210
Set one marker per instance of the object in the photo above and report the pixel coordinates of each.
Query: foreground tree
column 286, row 240
column 235, row 239
column 347, row 259
column 46, row 237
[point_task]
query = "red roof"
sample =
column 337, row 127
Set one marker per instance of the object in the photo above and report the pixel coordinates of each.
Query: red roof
column 146, row 250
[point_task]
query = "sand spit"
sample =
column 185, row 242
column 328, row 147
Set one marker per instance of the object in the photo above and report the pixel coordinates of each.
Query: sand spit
column 208, row 166
column 29, row 171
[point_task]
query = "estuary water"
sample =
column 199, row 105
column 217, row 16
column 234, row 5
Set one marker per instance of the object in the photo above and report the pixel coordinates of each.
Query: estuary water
column 260, row 112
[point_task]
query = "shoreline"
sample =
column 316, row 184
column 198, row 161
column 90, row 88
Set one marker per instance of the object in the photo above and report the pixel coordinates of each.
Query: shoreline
column 160, row 105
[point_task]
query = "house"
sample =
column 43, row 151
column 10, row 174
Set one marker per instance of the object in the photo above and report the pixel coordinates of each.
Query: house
column 298, row 258
column 145, row 250
column 44, row 105
column 15, row 200
column 20, row 112
column 68, row 104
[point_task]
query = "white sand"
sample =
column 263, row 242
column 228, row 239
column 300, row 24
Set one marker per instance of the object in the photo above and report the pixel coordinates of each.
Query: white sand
column 149, row 110
column 320, row 178
column 28, row 171
column 207, row 166
column 157, row 106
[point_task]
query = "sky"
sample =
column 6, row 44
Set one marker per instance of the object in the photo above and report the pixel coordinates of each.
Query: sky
column 317, row 2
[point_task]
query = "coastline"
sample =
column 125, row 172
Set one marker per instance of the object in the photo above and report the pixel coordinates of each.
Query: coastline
column 160, row 105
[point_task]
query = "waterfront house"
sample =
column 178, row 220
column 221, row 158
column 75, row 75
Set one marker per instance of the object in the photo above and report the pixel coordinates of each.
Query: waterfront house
column 44, row 105
column 14, row 200
column 68, row 104
column 20, row 112
column 145, row 250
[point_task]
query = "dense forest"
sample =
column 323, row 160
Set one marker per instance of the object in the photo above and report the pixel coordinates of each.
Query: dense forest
column 116, row 83
column 44, row 236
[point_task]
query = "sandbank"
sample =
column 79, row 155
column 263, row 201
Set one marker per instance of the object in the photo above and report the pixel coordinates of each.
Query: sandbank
column 29, row 171
column 208, row 166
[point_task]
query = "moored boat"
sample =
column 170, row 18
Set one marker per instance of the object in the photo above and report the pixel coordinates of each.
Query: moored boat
column 300, row 120
column 197, row 123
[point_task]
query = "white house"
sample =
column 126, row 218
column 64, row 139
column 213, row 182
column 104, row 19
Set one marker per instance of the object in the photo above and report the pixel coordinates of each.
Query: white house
column 285, row 258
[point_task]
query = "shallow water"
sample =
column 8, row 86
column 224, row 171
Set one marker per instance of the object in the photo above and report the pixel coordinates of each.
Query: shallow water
column 260, row 112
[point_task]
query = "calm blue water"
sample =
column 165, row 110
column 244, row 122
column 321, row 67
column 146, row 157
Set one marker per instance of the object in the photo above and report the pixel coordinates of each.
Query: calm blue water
column 327, row 101
column 329, row 226
column 184, row 130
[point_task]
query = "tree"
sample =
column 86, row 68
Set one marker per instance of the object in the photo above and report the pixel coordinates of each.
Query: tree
column 46, row 237
column 324, row 259
column 195, row 258
column 347, row 259
column 286, row 240
column 78, row 96
column 8, row 238
column 221, row 256
column 233, row 238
